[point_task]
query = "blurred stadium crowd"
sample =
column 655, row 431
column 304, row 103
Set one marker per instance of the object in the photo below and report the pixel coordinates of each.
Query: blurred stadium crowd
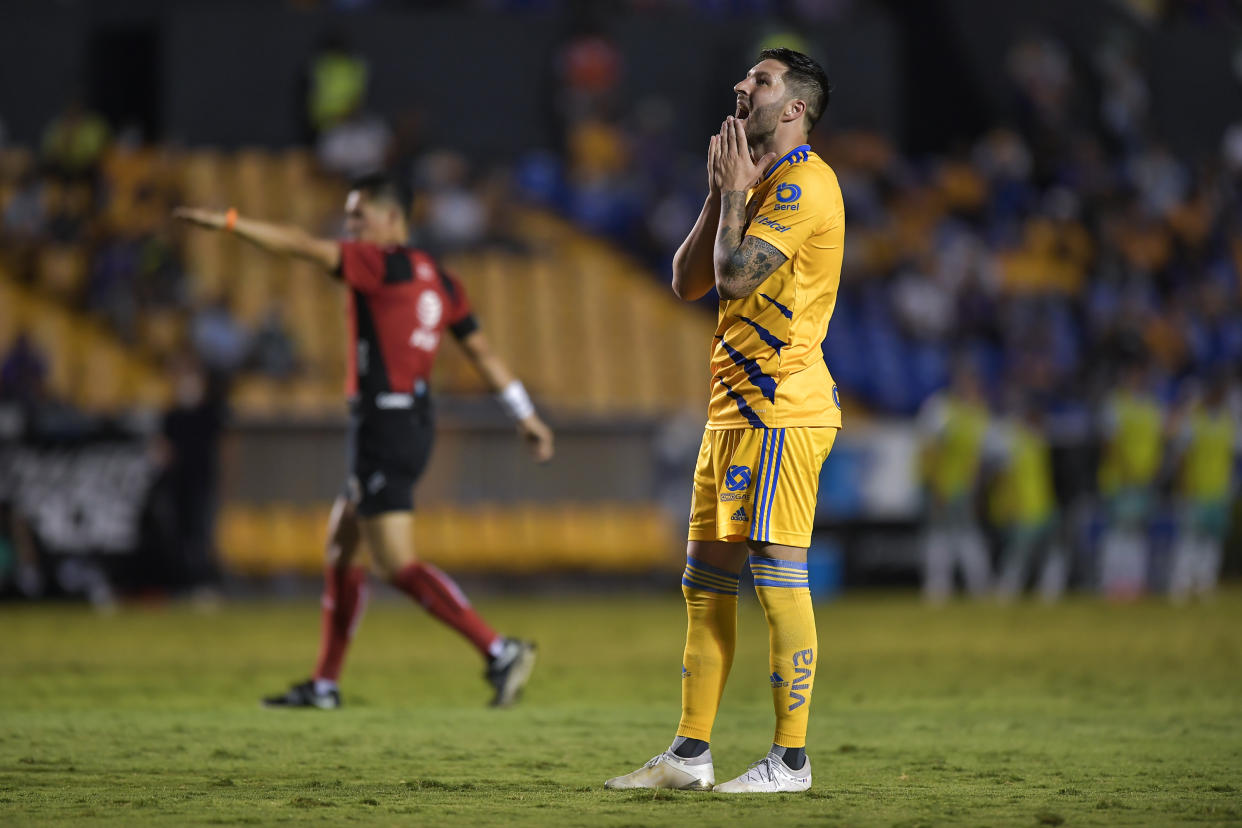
column 1080, row 280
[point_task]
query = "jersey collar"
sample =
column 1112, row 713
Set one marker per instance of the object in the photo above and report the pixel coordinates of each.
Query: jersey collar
column 792, row 156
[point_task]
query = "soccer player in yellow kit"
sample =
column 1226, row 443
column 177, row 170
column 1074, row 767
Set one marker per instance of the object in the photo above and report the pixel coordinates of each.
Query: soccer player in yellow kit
column 769, row 239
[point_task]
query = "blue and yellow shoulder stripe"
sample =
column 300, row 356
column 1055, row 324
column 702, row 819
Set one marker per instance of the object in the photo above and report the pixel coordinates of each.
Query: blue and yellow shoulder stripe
column 795, row 156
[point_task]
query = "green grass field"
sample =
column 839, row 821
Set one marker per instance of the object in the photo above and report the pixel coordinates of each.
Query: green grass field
column 1083, row 714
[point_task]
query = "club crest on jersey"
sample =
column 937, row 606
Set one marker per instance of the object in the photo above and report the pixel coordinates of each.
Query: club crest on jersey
column 787, row 196
column 430, row 308
column 737, row 478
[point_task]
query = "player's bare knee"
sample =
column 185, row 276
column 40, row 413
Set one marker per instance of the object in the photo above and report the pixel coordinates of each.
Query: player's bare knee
column 390, row 540
column 776, row 551
column 720, row 554
column 343, row 535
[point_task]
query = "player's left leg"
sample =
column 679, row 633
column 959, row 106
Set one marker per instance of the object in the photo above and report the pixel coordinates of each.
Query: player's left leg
column 785, row 495
column 781, row 583
column 390, row 537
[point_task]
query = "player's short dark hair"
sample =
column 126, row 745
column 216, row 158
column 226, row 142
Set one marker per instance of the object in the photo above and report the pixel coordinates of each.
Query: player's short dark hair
column 805, row 79
column 382, row 187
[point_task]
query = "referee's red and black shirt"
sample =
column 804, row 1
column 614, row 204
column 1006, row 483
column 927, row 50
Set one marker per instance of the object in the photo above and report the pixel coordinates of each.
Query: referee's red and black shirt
column 399, row 305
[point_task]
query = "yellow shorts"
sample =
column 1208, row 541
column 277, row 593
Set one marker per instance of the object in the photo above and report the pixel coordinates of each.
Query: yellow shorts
column 758, row 484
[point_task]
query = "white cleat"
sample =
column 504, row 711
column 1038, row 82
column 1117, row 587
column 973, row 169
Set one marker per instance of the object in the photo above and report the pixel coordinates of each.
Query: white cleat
column 670, row 771
column 769, row 775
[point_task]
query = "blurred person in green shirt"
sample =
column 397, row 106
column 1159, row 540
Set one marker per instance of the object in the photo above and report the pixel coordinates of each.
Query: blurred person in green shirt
column 337, row 80
column 75, row 141
column 1023, row 504
column 1132, row 425
column 1205, row 446
column 953, row 426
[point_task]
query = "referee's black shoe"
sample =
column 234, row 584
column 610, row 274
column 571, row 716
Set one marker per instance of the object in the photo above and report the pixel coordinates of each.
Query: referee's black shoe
column 305, row 695
column 509, row 671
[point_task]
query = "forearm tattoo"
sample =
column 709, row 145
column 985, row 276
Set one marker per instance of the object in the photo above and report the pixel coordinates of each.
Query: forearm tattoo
column 742, row 262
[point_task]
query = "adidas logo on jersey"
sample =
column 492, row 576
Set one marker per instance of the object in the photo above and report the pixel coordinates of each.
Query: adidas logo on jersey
column 740, row 514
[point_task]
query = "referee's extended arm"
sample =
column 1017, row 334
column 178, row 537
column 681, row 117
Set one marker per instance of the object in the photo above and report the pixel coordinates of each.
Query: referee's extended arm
column 282, row 239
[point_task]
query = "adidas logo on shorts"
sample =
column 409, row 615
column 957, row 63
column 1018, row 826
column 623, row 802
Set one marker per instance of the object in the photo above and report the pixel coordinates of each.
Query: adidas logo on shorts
column 740, row 514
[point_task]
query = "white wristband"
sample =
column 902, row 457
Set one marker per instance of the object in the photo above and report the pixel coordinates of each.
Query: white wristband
column 515, row 401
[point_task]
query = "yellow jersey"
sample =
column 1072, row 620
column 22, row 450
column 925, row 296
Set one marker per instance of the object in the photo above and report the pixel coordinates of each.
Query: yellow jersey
column 1207, row 467
column 954, row 448
column 1024, row 493
column 1134, row 448
column 767, row 364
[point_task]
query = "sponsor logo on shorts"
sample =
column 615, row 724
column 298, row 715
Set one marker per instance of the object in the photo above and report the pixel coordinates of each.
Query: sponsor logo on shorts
column 836, row 397
column 740, row 514
column 777, row 681
column 685, row 673
column 376, row 482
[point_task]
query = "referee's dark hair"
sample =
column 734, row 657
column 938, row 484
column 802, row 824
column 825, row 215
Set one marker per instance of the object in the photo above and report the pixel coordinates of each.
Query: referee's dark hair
column 382, row 187
column 805, row 79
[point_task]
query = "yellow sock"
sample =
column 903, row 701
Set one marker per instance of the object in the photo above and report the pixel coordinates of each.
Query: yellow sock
column 711, row 635
column 786, row 599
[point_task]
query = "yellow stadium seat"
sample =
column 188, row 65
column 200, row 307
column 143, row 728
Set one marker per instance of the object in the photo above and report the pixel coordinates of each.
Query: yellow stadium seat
column 202, row 179
column 162, row 332
column 255, row 397
column 242, row 540
column 61, row 271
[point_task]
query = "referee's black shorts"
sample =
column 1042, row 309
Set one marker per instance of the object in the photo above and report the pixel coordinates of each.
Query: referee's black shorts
column 387, row 447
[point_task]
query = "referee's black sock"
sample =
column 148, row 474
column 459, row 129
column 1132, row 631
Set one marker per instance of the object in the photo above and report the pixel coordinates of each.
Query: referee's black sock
column 688, row 748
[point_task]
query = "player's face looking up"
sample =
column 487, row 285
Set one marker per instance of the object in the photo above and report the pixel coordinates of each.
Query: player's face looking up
column 761, row 99
column 373, row 220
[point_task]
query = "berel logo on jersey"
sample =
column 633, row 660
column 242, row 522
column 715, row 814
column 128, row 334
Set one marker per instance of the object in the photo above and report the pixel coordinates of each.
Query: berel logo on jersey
column 787, row 195
column 424, row 271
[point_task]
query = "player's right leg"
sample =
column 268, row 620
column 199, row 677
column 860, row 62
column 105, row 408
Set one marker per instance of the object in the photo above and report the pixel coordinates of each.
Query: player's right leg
column 344, row 599
column 720, row 508
column 709, row 586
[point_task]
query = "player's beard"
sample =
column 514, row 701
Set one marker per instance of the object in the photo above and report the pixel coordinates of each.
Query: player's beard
column 761, row 124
